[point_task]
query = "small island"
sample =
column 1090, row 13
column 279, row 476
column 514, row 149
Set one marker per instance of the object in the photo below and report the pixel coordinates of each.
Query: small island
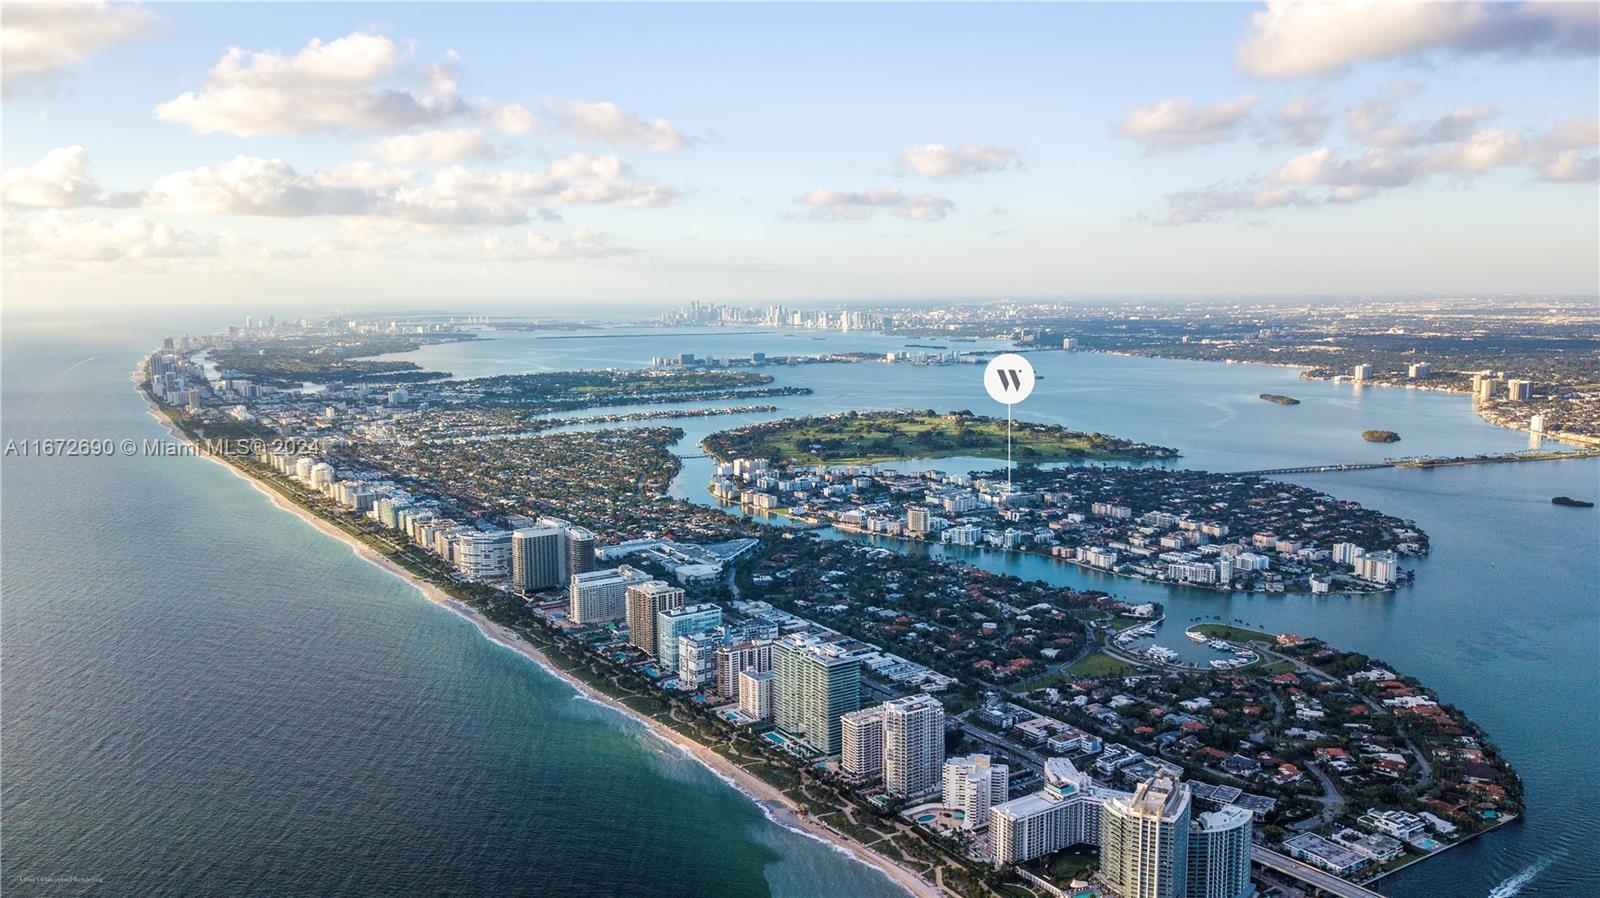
column 1570, row 502
column 1280, row 399
column 1380, row 436
column 864, row 437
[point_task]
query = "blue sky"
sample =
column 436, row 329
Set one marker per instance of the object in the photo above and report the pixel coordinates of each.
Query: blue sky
column 797, row 152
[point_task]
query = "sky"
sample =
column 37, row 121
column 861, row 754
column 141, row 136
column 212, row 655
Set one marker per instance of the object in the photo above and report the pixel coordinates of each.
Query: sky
column 560, row 158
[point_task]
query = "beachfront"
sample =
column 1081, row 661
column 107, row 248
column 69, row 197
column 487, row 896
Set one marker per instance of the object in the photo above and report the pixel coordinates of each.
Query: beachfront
column 777, row 806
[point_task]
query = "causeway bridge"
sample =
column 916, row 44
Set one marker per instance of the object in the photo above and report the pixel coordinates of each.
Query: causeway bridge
column 1317, row 469
column 1429, row 462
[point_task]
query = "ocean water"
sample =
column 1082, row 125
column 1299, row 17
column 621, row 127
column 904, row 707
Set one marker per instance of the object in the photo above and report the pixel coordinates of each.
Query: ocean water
column 204, row 696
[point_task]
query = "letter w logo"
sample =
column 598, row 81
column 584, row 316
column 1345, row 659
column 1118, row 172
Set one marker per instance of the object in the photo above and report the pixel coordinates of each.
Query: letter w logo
column 1010, row 379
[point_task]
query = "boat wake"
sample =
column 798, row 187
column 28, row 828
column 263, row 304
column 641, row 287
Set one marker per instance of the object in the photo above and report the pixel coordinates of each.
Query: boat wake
column 1513, row 885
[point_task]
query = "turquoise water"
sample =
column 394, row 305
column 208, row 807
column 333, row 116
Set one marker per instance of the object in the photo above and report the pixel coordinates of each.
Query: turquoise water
column 1504, row 617
column 205, row 696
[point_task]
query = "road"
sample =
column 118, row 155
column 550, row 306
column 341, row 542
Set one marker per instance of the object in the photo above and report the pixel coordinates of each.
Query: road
column 1428, row 462
column 1033, row 758
column 1313, row 876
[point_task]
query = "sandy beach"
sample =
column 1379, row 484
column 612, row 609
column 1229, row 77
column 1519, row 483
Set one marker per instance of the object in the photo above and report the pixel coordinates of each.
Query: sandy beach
column 774, row 804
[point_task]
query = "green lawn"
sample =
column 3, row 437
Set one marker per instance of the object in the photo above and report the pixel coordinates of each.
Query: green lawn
column 1122, row 623
column 1235, row 634
column 882, row 436
column 1098, row 664
column 1073, row 863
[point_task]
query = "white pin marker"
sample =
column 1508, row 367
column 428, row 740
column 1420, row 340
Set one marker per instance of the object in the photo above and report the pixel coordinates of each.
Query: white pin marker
column 1009, row 380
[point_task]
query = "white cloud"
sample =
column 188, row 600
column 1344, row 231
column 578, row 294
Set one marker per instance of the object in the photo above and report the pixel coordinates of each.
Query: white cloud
column 1211, row 203
column 39, row 41
column 935, row 160
column 249, row 185
column 1557, row 156
column 69, row 236
column 455, row 196
column 1374, row 122
column 435, row 146
column 1480, row 152
column 1376, row 168
column 856, row 205
column 332, row 86
column 1298, row 122
column 1324, row 176
column 1177, row 124
column 1296, row 39
column 1570, row 166
column 513, row 118
column 608, row 122
column 362, row 175
column 1574, row 133
column 580, row 243
column 60, row 179
column 443, row 78
column 574, row 180
column 1565, row 153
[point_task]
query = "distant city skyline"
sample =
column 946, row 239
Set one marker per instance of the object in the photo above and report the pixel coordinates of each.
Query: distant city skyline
column 474, row 157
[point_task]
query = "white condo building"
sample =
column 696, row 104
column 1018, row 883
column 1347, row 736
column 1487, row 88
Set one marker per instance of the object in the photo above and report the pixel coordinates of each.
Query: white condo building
column 675, row 623
column 913, row 745
column 972, row 785
column 1065, row 812
column 1379, row 567
column 817, row 683
column 861, row 742
column 733, row 660
column 600, row 596
column 580, row 550
column 536, row 558
column 755, row 694
column 483, row 555
column 1219, row 854
column 696, row 659
column 645, row 601
column 1144, row 840
column 1149, row 846
column 321, row 475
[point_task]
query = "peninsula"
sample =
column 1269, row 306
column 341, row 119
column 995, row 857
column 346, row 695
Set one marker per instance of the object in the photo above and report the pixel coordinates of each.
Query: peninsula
column 861, row 437
column 1231, row 532
column 1032, row 676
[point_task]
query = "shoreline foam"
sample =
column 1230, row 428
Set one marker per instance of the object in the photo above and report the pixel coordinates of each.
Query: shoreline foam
column 762, row 794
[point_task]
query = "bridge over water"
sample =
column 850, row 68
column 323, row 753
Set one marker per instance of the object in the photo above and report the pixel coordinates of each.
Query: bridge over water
column 1317, row 469
column 1429, row 462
